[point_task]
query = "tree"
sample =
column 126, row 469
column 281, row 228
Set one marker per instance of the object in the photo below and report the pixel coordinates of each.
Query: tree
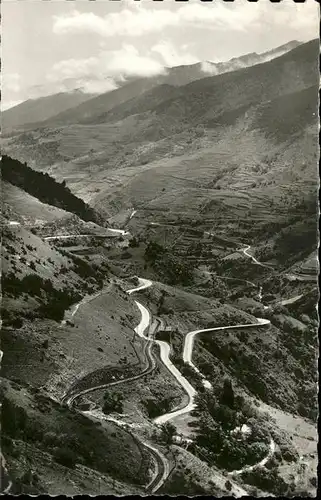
column 134, row 242
column 168, row 431
column 113, row 402
column 227, row 397
column 228, row 485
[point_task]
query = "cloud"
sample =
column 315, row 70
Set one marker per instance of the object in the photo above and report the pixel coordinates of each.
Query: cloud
column 208, row 67
column 86, row 74
column 103, row 72
column 130, row 62
column 138, row 20
column 11, row 82
column 74, row 68
column 128, row 22
column 171, row 56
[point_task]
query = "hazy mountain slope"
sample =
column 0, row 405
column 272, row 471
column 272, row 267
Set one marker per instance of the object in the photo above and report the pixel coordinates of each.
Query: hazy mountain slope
column 176, row 76
column 201, row 104
column 203, row 99
column 36, row 110
column 103, row 102
column 251, row 59
column 137, row 105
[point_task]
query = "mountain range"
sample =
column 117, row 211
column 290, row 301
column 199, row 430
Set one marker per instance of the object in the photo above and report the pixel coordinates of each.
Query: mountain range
column 38, row 110
column 233, row 131
column 42, row 108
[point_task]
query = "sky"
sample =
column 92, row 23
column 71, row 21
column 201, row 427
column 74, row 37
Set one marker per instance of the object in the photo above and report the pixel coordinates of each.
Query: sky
column 58, row 45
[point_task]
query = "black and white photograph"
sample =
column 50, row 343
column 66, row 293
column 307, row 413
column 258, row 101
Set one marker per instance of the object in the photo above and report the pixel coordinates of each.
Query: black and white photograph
column 159, row 248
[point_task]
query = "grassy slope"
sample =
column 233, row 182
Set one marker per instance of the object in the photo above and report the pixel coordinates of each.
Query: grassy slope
column 15, row 241
column 105, row 326
column 21, row 205
column 41, row 353
column 305, row 439
column 55, row 479
column 47, row 426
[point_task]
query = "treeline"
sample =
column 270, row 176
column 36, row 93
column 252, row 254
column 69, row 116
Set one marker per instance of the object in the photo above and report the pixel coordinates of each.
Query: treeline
column 45, row 188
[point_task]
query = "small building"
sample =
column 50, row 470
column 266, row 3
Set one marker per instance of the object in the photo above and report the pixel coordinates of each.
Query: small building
column 179, row 439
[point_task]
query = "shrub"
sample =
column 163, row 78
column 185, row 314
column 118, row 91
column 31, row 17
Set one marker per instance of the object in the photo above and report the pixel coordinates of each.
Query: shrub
column 168, row 431
column 113, row 402
column 228, row 485
column 134, row 242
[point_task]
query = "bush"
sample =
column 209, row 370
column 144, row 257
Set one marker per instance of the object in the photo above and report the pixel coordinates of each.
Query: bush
column 266, row 480
column 168, row 432
column 50, row 438
column 155, row 408
column 228, row 485
column 134, row 242
column 113, row 402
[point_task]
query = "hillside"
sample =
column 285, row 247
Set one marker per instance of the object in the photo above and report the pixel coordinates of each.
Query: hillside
column 45, row 188
column 51, row 439
column 42, row 356
column 22, row 207
column 182, row 75
column 106, row 101
column 36, row 110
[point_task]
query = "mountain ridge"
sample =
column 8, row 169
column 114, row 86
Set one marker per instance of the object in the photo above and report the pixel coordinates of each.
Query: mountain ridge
column 176, row 76
column 41, row 108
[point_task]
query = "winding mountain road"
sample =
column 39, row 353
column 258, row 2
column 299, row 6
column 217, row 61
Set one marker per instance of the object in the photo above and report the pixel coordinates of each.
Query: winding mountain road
column 247, row 254
column 66, row 236
column 263, row 462
column 189, row 341
column 161, row 461
column 291, row 300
